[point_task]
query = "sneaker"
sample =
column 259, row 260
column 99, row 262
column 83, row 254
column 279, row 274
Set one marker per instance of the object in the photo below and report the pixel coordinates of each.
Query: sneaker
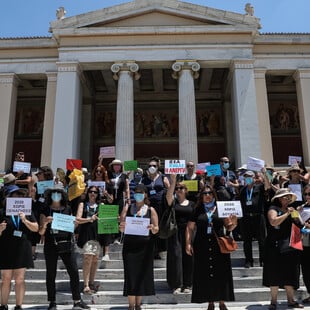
column 187, row 290
column 52, row 306
column 18, row 307
column 116, row 241
column 4, row 307
column 80, row 305
column 106, row 258
column 177, row 291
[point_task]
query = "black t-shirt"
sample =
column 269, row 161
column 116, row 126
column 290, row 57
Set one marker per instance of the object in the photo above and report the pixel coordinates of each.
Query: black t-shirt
column 253, row 200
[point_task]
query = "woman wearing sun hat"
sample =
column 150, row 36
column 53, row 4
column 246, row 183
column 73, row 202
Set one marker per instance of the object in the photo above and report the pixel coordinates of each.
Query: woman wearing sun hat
column 281, row 270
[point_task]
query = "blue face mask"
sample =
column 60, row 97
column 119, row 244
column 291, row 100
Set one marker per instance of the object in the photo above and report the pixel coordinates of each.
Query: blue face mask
column 226, row 165
column 139, row 197
column 248, row 180
column 209, row 205
column 56, row 197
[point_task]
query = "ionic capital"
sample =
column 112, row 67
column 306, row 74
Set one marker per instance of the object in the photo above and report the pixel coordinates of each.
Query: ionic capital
column 193, row 66
column 128, row 66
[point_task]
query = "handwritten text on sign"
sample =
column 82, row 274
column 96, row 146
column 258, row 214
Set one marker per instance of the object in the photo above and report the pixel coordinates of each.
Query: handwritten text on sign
column 16, row 205
column 227, row 208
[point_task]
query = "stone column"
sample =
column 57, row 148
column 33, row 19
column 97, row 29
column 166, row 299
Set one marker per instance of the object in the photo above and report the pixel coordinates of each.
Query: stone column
column 186, row 72
column 48, row 128
column 66, row 137
column 263, row 115
column 124, row 139
column 8, row 95
column 302, row 78
column 247, row 138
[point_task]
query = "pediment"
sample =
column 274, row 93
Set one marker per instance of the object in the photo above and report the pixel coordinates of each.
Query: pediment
column 144, row 13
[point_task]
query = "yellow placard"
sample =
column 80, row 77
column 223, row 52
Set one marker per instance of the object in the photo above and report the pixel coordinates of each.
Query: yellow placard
column 192, row 185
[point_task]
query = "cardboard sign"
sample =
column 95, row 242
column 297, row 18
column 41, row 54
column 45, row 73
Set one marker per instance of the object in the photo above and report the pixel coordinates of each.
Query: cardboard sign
column 227, row 208
column 15, row 205
column 294, row 160
column 214, row 170
column 43, row 185
column 192, row 185
column 130, row 165
column 108, row 219
column 100, row 184
column 107, row 152
column 137, row 226
column 63, row 222
column 73, row 164
column 202, row 166
column 255, row 164
column 175, row 166
column 21, row 166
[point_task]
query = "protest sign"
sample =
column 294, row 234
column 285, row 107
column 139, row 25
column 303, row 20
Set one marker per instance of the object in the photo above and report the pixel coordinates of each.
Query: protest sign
column 294, row 160
column 192, row 185
column 43, row 185
column 107, row 152
column 21, row 166
column 175, row 166
column 130, row 165
column 214, row 170
column 63, row 222
column 227, row 208
column 73, row 164
column 108, row 219
column 137, row 226
column 255, row 164
column 15, row 205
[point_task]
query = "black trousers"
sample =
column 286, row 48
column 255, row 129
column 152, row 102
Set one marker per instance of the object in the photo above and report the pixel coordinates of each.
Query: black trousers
column 305, row 267
column 69, row 260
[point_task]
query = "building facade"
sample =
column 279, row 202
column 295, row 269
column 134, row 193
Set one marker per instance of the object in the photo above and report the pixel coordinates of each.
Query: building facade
column 155, row 77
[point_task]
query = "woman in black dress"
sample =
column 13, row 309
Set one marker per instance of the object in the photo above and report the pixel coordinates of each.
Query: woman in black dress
column 212, row 275
column 179, row 263
column 281, row 269
column 15, row 248
column 138, row 251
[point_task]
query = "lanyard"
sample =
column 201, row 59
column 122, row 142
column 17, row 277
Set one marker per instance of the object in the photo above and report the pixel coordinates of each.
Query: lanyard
column 16, row 224
column 88, row 208
column 249, row 194
column 142, row 213
column 209, row 215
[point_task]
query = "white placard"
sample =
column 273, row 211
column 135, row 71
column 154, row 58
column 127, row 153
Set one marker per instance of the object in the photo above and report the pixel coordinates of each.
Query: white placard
column 294, row 160
column 21, row 166
column 202, row 166
column 255, row 164
column 15, row 205
column 296, row 189
column 107, row 152
column 304, row 214
column 100, row 184
column 175, row 166
column 137, row 226
column 227, row 208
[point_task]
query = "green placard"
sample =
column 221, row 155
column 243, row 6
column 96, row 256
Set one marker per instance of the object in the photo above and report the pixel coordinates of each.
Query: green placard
column 108, row 219
column 1, row 181
column 130, row 165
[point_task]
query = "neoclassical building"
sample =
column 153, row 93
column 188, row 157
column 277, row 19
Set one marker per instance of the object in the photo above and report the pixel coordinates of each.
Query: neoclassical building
column 155, row 77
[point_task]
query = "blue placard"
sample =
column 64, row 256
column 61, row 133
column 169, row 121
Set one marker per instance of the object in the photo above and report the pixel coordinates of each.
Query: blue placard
column 63, row 222
column 214, row 170
column 43, row 185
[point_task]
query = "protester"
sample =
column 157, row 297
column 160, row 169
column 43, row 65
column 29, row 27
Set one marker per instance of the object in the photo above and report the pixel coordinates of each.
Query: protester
column 87, row 218
column 15, row 249
column 212, row 274
column 138, row 251
column 281, row 265
column 253, row 223
column 179, row 263
column 57, row 202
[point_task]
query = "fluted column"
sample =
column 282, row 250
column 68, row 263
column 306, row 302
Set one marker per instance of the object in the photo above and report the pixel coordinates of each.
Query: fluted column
column 302, row 78
column 186, row 72
column 8, row 95
column 48, row 128
column 247, row 138
column 67, row 116
column 124, row 139
column 263, row 115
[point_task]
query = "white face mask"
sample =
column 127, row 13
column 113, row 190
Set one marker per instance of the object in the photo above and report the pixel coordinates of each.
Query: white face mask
column 56, row 197
column 152, row 170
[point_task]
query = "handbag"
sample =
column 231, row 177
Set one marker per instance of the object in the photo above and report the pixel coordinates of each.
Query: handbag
column 291, row 243
column 64, row 246
column 168, row 224
column 227, row 244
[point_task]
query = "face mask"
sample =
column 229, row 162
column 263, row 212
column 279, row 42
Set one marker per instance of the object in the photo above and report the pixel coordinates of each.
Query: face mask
column 152, row 170
column 226, row 165
column 139, row 197
column 209, row 205
column 56, row 197
column 248, row 180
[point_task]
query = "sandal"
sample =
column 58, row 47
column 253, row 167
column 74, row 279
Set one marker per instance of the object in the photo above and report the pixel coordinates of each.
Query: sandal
column 306, row 300
column 295, row 304
column 87, row 291
column 94, row 287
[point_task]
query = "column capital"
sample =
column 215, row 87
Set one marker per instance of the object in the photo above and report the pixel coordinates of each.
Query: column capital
column 260, row 73
column 180, row 65
column 9, row 78
column 51, row 76
column 241, row 64
column 301, row 73
column 69, row 66
column 129, row 66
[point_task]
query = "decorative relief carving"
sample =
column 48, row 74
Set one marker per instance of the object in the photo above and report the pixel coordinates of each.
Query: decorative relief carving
column 185, row 65
column 61, row 13
column 249, row 9
column 126, row 66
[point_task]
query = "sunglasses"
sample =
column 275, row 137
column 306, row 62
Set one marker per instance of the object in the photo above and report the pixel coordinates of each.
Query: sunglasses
column 152, row 166
column 178, row 188
column 295, row 171
column 307, row 194
column 190, row 166
column 207, row 193
column 93, row 192
column 287, row 198
column 98, row 171
column 225, row 161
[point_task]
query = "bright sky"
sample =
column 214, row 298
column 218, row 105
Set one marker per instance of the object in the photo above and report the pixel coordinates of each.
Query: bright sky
column 32, row 17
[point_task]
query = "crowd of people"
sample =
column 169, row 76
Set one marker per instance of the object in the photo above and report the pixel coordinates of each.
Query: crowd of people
column 273, row 205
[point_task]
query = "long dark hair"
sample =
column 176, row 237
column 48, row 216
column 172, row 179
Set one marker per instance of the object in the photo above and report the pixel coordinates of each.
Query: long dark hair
column 199, row 201
column 87, row 196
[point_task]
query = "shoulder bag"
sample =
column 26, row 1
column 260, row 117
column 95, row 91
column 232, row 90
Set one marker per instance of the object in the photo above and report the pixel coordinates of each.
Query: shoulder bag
column 227, row 244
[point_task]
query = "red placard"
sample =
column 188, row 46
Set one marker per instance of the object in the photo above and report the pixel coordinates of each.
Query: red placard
column 74, row 164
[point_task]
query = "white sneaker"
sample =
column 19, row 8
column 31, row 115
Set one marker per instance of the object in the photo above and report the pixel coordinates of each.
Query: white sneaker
column 177, row 291
column 105, row 257
column 116, row 241
column 187, row 290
